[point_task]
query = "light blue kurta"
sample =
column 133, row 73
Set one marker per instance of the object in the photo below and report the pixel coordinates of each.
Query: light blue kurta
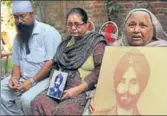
column 43, row 45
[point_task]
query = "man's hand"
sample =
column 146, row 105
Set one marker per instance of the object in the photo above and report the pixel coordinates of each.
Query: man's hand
column 72, row 92
column 13, row 83
column 24, row 86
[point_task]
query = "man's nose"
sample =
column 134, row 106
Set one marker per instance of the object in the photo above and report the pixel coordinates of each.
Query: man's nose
column 126, row 87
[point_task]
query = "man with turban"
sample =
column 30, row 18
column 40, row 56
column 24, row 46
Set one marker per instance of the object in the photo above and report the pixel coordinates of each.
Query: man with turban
column 130, row 79
column 34, row 47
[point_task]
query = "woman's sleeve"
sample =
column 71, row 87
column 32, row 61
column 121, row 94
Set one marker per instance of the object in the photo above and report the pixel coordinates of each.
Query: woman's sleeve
column 92, row 78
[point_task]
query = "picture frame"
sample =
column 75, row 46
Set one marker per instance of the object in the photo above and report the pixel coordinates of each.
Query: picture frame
column 57, row 84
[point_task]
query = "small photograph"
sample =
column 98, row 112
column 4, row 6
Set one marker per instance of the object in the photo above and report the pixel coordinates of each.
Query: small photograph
column 57, row 85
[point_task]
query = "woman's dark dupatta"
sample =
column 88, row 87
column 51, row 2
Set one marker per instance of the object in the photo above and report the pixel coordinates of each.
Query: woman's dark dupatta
column 72, row 58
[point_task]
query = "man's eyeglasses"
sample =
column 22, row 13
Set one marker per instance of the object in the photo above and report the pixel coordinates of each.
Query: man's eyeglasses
column 75, row 24
column 20, row 16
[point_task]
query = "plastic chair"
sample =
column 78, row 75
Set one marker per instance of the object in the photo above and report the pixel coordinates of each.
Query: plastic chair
column 110, row 31
column 91, row 26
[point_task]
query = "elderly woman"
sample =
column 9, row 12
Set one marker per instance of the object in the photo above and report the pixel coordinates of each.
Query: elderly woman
column 80, row 55
column 141, row 28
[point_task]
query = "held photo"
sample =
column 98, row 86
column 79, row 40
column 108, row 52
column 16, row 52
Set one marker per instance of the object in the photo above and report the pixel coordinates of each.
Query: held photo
column 57, row 84
column 135, row 82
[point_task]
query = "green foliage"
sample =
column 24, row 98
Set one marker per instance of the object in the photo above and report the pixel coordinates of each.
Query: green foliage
column 113, row 8
column 35, row 3
column 5, row 67
column 10, row 19
column 7, row 2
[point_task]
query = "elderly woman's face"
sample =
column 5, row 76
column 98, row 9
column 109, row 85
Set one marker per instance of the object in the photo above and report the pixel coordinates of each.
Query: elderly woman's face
column 138, row 29
column 75, row 26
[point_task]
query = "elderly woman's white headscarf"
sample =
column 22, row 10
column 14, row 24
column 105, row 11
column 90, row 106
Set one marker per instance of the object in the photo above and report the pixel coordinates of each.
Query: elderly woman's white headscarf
column 157, row 30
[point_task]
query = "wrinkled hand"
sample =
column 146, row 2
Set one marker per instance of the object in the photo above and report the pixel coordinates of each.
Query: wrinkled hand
column 94, row 111
column 91, row 106
column 72, row 92
column 24, row 86
column 13, row 83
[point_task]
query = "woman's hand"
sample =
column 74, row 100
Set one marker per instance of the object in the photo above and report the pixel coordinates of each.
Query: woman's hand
column 91, row 106
column 72, row 92
column 94, row 111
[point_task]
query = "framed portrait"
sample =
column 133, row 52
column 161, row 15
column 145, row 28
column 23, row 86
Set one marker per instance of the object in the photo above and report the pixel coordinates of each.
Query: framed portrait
column 57, row 84
column 132, row 81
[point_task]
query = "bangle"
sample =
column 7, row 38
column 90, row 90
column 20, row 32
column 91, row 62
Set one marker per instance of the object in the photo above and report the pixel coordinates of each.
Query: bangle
column 32, row 81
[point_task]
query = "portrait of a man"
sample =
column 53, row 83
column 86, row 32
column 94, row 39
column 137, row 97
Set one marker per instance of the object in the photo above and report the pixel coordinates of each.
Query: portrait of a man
column 130, row 79
column 55, row 91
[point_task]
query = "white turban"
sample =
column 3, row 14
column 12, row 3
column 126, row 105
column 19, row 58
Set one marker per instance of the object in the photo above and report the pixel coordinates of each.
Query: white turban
column 21, row 7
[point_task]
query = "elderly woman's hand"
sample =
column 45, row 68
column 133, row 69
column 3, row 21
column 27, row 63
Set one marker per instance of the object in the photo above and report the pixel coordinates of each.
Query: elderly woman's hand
column 72, row 92
column 91, row 106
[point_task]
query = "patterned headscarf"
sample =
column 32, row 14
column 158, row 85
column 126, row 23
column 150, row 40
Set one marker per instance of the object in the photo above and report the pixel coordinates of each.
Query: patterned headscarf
column 157, row 30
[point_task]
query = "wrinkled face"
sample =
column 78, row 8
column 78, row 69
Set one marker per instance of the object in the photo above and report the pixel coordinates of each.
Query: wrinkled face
column 75, row 26
column 128, row 91
column 138, row 29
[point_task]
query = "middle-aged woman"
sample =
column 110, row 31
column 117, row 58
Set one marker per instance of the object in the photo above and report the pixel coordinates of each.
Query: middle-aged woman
column 141, row 28
column 80, row 55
